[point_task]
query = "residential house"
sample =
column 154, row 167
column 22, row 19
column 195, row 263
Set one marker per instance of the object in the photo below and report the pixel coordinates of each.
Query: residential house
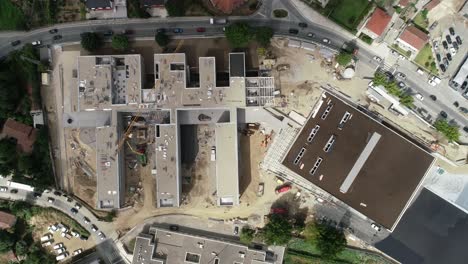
column 377, row 23
column 227, row 6
column 412, row 39
column 25, row 135
column 99, row 4
column 7, row 220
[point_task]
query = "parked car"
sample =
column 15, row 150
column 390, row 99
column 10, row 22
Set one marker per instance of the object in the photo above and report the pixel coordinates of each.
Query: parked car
column 449, row 39
column 420, row 71
column 310, row 35
column 452, row 31
column 50, row 200
column 445, row 61
column 60, row 250
column 77, row 206
column 53, row 31
column 325, row 40
column 14, row 191
column 444, row 43
column 283, row 189
column 419, row 96
column 3, row 189
column 15, row 43
column 302, row 25
column 69, row 200
column 464, row 84
column 435, row 44
column 375, row 227
column 178, row 30
column 46, row 237
column 465, row 129
column 377, row 59
column 293, row 31
column 86, row 220
column 449, row 56
column 94, row 228
column 77, row 252
column 400, row 75
column 74, row 211
column 236, row 230
column 174, row 227
column 37, row 195
column 438, row 57
column 456, row 104
column 101, row 235
column 401, row 85
column 433, row 97
column 453, row 51
column 443, row 114
column 458, row 39
column 58, row 245
column 57, row 193
column 75, row 234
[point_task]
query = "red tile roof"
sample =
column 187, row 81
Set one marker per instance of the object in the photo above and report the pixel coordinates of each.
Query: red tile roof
column 404, row 3
column 7, row 220
column 429, row 6
column 24, row 134
column 226, row 6
column 415, row 37
column 378, row 21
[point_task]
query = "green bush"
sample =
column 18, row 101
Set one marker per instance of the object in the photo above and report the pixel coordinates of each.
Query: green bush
column 451, row 132
column 162, row 39
column 263, row 35
column 344, row 58
column 247, row 235
column 120, row 42
column 277, row 231
column 280, row 13
column 238, row 35
column 90, row 41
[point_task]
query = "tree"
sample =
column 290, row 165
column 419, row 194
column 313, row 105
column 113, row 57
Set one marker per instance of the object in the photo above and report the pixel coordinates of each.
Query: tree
column 424, row 13
column 247, row 235
column 329, row 240
column 175, row 8
column 263, row 35
column 120, row 42
column 21, row 248
column 344, row 58
column 135, row 10
column 7, row 241
column 238, row 34
column 277, row 231
column 10, row 93
column 90, row 41
column 162, row 39
column 451, row 132
column 407, row 100
column 379, row 79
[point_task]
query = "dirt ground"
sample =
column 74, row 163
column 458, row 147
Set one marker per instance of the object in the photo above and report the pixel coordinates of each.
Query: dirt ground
column 41, row 223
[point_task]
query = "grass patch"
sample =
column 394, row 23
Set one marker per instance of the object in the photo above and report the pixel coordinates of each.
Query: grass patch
column 11, row 17
column 403, row 52
column 420, row 21
column 366, row 38
column 426, row 59
column 299, row 251
column 280, row 13
column 349, row 13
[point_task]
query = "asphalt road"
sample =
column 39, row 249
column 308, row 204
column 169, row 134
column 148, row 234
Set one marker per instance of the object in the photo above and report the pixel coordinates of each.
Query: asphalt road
column 147, row 28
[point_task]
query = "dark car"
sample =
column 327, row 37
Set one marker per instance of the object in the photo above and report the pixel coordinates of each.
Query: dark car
column 449, row 39
column 302, row 25
column 74, row 211
column 438, row 57
column 57, row 37
column 174, row 227
column 69, row 200
column 57, row 193
column 444, row 43
column 15, row 43
column 84, row 238
column 201, row 29
column 446, row 62
column 455, row 45
column 442, row 67
column 433, row 97
column 456, row 104
column 465, row 129
column 464, row 84
column 458, row 39
column 37, row 195
column 53, row 31
column 293, row 31
column 108, row 33
column 389, row 76
column 236, row 230
column 452, row 31
column 443, row 114
column 449, row 56
column 14, row 191
column 161, row 30
column 463, row 110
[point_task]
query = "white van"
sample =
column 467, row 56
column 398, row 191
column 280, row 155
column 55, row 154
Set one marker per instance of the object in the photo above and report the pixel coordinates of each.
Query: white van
column 213, row 153
column 420, row 71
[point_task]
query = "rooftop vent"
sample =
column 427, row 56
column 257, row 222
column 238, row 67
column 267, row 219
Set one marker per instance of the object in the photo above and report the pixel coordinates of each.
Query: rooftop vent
column 313, row 132
column 316, row 166
column 299, row 156
column 330, row 143
column 327, row 111
column 344, row 119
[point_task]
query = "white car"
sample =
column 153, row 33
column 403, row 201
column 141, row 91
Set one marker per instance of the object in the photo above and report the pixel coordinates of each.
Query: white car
column 420, row 71
column 3, row 189
column 375, row 227
column 86, row 220
column 101, row 235
column 77, row 206
column 453, row 51
column 52, row 228
column 78, row 251
column 377, row 59
column 50, row 200
column 431, row 82
column 326, row 41
column 58, row 245
column 60, row 250
column 419, row 96
column 36, row 43
column 75, row 234
column 401, row 57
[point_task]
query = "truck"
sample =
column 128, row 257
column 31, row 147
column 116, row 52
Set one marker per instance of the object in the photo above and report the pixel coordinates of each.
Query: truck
column 46, row 237
column 218, row 21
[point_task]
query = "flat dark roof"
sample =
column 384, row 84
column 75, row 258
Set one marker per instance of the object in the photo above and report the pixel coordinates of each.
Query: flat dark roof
column 381, row 168
column 236, row 64
column 432, row 231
